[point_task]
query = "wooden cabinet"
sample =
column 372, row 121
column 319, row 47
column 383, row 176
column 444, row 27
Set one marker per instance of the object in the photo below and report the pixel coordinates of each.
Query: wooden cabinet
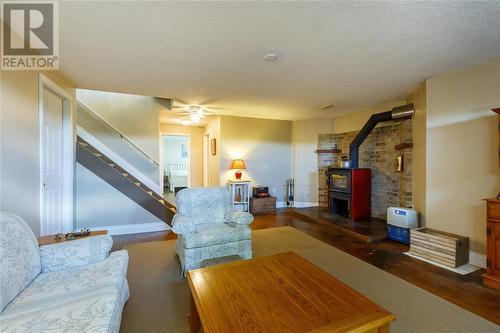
column 492, row 277
column 262, row 205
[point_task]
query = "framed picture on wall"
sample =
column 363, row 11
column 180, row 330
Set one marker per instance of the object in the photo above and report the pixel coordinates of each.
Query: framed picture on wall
column 497, row 111
column 213, row 147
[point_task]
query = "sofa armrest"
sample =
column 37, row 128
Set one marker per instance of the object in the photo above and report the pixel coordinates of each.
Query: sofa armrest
column 75, row 253
column 181, row 224
column 239, row 217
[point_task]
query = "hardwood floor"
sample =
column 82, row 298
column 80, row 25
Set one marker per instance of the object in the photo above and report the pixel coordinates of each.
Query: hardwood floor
column 169, row 197
column 369, row 231
column 466, row 291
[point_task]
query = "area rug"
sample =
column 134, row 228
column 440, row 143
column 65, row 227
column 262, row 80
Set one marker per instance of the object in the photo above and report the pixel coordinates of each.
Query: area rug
column 159, row 300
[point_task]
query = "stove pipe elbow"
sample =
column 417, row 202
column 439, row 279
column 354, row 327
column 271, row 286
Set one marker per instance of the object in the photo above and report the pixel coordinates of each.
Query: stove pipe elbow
column 397, row 113
column 403, row 112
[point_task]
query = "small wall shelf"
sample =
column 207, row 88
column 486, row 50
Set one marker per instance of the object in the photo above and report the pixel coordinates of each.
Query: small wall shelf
column 328, row 151
column 405, row 145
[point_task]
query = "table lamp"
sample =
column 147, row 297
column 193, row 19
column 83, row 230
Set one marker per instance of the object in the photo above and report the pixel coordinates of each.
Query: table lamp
column 238, row 165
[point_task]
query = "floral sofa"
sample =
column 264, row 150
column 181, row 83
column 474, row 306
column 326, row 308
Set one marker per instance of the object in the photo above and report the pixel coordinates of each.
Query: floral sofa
column 207, row 227
column 74, row 286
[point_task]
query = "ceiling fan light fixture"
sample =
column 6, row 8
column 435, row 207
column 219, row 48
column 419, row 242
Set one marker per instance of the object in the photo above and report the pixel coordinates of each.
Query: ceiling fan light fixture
column 193, row 114
column 194, row 109
column 195, row 117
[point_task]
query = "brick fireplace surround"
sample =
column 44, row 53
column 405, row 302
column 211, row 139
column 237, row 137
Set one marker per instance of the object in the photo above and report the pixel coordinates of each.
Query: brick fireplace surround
column 389, row 187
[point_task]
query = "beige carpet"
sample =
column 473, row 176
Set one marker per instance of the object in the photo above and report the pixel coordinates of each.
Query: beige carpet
column 159, row 296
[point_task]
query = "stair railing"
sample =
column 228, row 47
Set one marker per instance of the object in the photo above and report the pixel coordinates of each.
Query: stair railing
column 150, row 158
column 113, row 143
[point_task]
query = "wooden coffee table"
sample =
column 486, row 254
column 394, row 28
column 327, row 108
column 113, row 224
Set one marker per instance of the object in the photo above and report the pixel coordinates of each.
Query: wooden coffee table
column 282, row 292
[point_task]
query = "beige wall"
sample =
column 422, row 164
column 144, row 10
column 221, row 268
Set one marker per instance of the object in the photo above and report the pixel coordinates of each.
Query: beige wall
column 462, row 150
column 419, row 126
column 19, row 150
column 265, row 146
column 138, row 117
column 195, row 150
column 305, row 160
column 213, row 129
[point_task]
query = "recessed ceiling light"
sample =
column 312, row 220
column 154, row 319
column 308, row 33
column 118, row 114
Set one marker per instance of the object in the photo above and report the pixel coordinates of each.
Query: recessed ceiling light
column 270, row 57
column 327, row 107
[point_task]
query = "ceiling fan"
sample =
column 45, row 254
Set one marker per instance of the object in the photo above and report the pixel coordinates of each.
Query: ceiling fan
column 191, row 113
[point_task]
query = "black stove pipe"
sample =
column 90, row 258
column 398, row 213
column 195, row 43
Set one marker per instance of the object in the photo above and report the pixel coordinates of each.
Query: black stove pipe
column 400, row 112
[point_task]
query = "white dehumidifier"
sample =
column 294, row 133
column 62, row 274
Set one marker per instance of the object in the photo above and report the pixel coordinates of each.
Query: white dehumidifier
column 399, row 223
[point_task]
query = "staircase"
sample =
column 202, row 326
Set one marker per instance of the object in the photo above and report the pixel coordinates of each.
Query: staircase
column 102, row 166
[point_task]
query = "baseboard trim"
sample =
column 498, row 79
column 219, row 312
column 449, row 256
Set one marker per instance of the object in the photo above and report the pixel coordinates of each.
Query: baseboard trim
column 297, row 204
column 127, row 229
column 303, row 204
column 477, row 259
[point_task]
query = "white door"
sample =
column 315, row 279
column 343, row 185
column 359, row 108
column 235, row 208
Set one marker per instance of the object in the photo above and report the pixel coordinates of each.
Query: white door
column 52, row 164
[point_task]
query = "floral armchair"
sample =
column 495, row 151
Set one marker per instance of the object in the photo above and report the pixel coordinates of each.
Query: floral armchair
column 74, row 286
column 207, row 227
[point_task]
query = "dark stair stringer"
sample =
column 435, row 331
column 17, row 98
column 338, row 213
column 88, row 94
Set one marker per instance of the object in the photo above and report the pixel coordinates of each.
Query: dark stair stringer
column 113, row 174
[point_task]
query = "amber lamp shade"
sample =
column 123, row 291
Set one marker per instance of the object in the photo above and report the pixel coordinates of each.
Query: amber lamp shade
column 238, row 165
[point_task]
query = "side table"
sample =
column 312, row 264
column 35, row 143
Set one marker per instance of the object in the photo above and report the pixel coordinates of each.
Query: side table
column 239, row 194
column 50, row 239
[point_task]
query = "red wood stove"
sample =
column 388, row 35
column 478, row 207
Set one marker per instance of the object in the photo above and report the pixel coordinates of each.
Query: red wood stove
column 350, row 192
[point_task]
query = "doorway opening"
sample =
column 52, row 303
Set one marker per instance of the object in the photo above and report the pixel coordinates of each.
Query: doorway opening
column 57, row 158
column 175, row 164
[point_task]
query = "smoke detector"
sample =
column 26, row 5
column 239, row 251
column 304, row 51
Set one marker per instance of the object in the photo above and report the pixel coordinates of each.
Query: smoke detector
column 270, row 57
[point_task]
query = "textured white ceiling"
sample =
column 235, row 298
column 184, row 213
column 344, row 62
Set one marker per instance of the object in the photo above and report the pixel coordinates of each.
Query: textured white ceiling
column 349, row 54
